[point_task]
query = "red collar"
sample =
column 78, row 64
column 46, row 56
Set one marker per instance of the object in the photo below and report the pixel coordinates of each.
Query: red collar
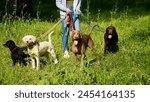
column 13, row 50
column 71, row 21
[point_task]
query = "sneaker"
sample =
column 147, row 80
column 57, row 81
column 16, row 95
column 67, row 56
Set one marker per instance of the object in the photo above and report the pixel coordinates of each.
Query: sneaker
column 66, row 55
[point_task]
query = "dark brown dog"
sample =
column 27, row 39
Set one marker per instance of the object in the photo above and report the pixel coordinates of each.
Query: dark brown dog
column 110, row 40
column 81, row 42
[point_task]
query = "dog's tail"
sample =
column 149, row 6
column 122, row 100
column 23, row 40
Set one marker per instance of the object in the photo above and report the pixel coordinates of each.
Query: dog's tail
column 49, row 36
column 92, row 29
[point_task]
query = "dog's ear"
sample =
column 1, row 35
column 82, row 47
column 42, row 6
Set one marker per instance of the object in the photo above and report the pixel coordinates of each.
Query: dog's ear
column 71, row 33
column 80, row 34
column 115, row 30
column 34, row 39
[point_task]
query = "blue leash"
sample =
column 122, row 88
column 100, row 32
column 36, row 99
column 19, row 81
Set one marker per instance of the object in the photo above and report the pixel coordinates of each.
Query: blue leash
column 86, row 20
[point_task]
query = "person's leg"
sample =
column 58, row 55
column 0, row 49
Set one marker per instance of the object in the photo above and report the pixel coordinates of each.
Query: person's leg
column 77, row 24
column 65, row 39
column 75, row 18
column 76, row 21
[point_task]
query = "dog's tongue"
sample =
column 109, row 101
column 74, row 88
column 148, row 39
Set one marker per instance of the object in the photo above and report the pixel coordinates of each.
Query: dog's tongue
column 109, row 36
column 76, row 42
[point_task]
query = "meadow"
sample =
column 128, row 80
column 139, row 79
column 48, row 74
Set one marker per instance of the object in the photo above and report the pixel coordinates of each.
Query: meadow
column 129, row 66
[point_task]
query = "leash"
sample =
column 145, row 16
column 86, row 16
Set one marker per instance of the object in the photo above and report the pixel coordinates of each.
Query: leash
column 89, row 24
column 82, row 15
column 47, row 32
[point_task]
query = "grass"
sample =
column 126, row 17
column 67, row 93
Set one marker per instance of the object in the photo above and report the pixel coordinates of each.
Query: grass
column 129, row 66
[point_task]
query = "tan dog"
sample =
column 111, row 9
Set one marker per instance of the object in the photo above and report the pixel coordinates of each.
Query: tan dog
column 36, row 49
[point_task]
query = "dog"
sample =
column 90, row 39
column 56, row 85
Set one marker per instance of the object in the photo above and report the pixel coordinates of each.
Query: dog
column 80, row 43
column 36, row 49
column 110, row 40
column 17, row 53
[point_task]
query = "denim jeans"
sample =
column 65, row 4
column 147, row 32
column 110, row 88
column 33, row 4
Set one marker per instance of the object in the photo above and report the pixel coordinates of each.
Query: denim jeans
column 66, row 29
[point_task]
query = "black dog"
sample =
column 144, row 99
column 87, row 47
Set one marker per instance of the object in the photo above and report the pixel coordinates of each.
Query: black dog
column 111, row 40
column 17, row 53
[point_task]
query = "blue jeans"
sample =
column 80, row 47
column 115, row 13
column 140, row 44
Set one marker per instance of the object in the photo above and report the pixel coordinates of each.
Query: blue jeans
column 66, row 29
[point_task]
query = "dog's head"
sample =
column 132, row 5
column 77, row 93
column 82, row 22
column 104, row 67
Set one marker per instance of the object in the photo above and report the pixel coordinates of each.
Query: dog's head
column 29, row 40
column 110, row 31
column 10, row 44
column 76, row 36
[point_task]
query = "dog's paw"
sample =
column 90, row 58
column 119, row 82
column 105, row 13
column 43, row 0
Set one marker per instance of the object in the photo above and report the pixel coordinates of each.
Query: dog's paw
column 55, row 61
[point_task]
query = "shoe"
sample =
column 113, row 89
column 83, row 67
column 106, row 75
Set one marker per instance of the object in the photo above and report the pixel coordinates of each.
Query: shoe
column 66, row 55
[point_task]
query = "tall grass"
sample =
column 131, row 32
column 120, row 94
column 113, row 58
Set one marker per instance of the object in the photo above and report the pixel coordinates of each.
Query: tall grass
column 128, row 66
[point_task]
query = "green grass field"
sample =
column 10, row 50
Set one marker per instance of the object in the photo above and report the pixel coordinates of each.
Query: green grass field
column 129, row 66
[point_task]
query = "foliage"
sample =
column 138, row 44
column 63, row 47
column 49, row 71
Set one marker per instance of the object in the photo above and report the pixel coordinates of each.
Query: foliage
column 47, row 10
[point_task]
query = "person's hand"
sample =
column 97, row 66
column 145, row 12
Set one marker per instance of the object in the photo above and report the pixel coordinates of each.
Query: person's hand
column 68, row 11
column 77, row 12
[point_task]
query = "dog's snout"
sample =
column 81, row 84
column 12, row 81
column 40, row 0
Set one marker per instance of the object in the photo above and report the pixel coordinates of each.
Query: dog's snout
column 76, row 37
column 110, row 31
column 4, row 45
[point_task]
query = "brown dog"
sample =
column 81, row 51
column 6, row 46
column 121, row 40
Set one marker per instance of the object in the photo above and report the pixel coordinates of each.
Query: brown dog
column 111, row 40
column 81, row 42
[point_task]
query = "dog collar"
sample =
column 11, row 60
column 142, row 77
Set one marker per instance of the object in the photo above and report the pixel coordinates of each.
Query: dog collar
column 33, row 44
column 14, row 49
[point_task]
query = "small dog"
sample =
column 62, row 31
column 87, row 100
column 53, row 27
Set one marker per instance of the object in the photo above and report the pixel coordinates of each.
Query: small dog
column 81, row 42
column 17, row 53
column 36, row 49
column 110, row 40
